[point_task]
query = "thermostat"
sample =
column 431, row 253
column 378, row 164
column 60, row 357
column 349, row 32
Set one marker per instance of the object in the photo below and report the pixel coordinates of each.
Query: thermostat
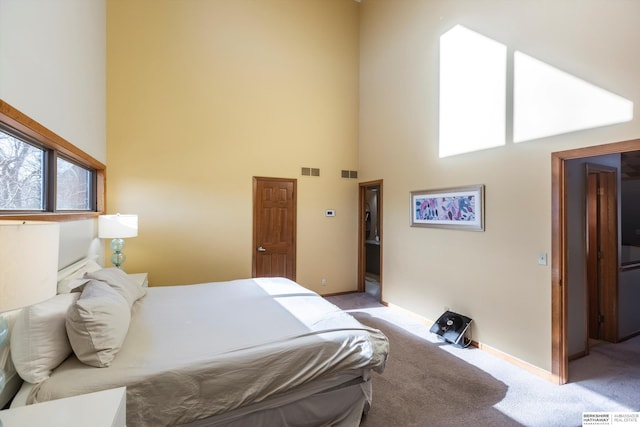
column 329, row 212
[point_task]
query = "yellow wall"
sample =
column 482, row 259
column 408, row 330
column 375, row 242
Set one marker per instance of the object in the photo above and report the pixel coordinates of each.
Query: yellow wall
column 204, row 95
column 491, row 276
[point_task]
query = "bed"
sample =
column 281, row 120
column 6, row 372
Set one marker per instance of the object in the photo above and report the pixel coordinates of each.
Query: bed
column 263, row 351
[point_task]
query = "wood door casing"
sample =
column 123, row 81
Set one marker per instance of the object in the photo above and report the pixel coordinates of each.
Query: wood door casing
column 274, row 227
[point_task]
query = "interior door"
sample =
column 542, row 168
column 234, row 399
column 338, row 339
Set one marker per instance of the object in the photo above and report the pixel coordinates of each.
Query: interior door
column 274, row 227
column 602, row 253
column 594, row 306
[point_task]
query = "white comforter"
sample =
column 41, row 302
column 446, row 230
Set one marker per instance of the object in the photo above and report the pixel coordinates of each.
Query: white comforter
column 200, row 350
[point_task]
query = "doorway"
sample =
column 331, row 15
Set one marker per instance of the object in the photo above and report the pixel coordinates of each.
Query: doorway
column 370, row 239
column 274, row 227
column 563, row 276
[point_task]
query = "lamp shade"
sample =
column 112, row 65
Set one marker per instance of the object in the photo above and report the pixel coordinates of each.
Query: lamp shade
column 117, row 226
column 28, row 262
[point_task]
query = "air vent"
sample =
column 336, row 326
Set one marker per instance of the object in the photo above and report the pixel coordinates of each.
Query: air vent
column 310, row 171
column 349, row 174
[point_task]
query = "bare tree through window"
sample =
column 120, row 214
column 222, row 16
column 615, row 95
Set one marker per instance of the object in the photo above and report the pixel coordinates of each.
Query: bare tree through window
column 21, row 174
column 73, row 186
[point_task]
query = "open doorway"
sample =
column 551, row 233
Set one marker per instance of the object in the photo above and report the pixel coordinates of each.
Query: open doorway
column 570, row 240
column 370, row 239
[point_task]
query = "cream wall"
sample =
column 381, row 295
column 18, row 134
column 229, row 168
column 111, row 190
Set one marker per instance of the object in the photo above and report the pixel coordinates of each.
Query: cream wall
column 491, row 276
column 205, row 95
column 52, row 68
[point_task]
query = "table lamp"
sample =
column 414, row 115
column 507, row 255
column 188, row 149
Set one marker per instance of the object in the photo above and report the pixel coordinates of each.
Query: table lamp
column 28, row 268
column 117, row 227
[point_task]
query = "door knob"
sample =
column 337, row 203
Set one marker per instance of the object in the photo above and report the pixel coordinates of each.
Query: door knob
column 261, row 249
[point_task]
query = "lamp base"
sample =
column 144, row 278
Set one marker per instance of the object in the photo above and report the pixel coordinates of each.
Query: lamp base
column 117, row 257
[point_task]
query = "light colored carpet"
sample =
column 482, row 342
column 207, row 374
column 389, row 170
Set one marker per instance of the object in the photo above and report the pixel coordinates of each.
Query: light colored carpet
column 417, row 387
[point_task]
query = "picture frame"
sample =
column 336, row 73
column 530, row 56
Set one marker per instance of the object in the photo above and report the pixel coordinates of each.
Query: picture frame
column 459, row 208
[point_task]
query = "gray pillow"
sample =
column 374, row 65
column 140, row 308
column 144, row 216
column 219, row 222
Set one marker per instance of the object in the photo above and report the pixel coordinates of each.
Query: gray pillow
column 120, row 281
column 97, row 324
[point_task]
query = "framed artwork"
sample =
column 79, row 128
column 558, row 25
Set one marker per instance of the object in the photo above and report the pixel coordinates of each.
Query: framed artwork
column 459, row 207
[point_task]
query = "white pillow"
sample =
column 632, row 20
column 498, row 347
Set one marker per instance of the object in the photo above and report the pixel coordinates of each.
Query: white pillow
column 39, row 340
column 71, row 285
column 97, row 324
column 73, row 277
column 126, row 286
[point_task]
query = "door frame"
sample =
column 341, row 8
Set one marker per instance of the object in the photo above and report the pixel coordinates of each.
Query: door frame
column 559, row 247
column 362, row 191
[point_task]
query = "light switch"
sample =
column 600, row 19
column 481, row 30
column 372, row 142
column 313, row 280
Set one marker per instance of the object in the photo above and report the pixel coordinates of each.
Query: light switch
column 542, row 258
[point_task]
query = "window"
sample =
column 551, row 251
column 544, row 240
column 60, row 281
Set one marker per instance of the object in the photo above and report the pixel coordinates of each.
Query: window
column 22, row 180
column 74, row 184
column 42, row 176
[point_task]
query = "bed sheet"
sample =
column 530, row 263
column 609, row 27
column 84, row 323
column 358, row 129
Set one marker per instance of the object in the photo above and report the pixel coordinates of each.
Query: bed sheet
column 196, row 351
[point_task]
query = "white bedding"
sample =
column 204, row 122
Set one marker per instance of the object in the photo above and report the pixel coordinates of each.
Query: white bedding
column 201, row 350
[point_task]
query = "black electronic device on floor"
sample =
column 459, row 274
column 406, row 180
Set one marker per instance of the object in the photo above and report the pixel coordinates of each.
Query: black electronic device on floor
column 453, row 327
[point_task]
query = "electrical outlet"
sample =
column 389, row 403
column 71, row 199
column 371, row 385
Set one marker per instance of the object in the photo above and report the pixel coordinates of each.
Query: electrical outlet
column 324, row 282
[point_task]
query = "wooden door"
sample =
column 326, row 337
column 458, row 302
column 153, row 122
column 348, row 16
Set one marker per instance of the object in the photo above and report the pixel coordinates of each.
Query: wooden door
column 274, row 227
column 594, row 306
column 602, row 253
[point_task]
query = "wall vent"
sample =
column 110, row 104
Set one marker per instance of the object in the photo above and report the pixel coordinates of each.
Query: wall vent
column 349, row 174
column 310, row 171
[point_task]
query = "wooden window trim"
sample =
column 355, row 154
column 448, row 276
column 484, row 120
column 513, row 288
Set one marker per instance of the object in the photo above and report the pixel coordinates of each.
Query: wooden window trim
column 22, row 123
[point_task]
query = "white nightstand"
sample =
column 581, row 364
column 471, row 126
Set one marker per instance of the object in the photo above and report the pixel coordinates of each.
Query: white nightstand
column 140, row 278
column 101, row 409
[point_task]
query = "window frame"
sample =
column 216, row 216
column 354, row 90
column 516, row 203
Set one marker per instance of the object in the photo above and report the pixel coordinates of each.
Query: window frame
column 58, row 147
